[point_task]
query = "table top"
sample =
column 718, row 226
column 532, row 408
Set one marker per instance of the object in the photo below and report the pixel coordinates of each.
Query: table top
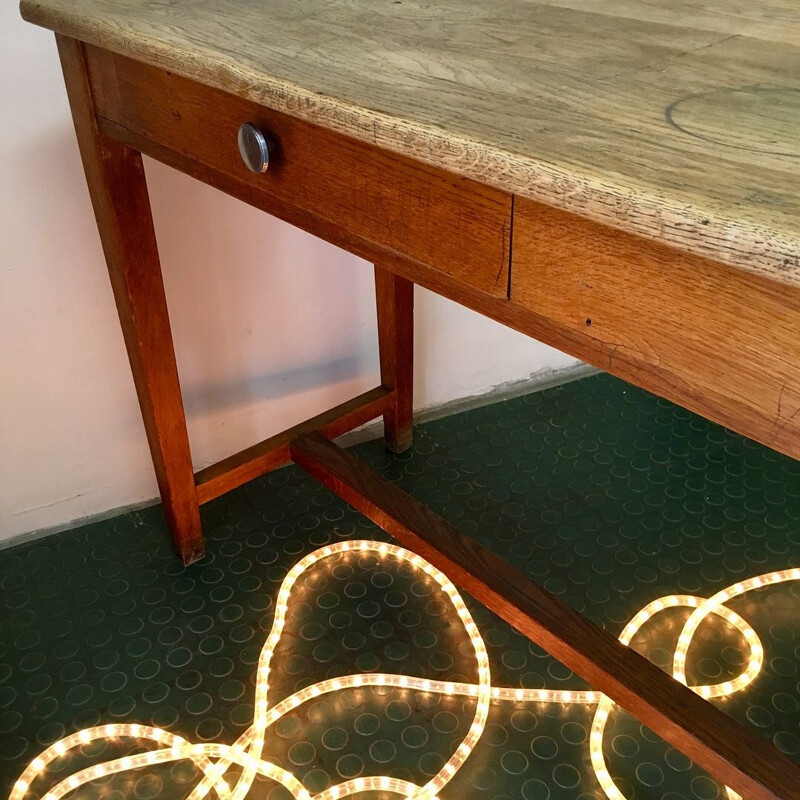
column 673, row 119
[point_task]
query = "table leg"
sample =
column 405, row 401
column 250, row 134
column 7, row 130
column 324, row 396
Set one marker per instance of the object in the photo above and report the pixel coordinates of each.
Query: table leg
column 395, row 303
column 117, row 186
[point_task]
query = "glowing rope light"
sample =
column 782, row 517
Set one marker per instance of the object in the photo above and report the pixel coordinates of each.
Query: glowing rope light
column 214, row 759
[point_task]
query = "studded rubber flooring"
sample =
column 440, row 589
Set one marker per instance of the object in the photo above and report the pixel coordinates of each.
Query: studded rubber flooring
column 602, row 493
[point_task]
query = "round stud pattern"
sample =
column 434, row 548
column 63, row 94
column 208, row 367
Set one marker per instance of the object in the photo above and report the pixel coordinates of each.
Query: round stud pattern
column 604, row 494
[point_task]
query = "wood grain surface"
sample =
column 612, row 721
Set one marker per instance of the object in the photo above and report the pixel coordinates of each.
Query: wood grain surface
column 674, row 120
column 721, row 342
column 731, row 752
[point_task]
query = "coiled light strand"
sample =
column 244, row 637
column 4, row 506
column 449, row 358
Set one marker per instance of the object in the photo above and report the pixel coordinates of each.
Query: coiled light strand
column 214, row 759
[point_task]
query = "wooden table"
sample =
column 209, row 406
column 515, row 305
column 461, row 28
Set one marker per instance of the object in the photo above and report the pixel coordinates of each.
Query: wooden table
column 618, row 178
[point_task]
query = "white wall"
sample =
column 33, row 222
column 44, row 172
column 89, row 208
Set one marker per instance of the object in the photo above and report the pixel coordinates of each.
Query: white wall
column 270, row 324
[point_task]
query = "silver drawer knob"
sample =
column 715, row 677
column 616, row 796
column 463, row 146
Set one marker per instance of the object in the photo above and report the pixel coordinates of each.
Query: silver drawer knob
column 254, row 148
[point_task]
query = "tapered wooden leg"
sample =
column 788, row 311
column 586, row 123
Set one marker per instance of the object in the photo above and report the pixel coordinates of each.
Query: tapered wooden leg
column 117, row 186
column 395, row 302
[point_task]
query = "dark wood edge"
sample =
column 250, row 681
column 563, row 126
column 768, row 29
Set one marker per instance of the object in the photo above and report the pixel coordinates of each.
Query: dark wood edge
column 729, row 751
column 273, row 452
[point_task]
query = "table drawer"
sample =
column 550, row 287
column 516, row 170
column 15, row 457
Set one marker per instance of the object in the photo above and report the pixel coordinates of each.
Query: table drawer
column 455, row 226
column 720, row 341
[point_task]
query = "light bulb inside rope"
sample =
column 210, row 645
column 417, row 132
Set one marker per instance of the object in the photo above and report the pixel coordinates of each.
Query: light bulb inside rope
column 214, row 759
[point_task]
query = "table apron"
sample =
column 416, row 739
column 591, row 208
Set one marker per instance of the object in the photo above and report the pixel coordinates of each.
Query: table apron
column 717, row 340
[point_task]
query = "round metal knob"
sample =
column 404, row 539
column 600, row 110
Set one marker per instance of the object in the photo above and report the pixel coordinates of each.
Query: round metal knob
column 254, row 148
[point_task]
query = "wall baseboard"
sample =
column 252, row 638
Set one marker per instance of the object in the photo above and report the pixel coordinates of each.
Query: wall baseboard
column 536, row 382
column 41, row 533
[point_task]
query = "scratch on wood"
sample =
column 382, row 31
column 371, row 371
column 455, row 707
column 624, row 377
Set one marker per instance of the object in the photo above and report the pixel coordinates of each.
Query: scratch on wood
column 782, row 422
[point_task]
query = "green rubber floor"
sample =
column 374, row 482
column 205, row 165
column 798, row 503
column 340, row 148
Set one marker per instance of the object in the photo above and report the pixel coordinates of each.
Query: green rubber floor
column 603, row 494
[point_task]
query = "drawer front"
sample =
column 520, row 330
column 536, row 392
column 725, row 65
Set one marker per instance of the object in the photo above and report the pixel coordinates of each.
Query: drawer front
column 717, row 340
column 455, row 226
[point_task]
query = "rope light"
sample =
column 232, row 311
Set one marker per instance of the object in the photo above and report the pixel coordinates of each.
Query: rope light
column 214, row 759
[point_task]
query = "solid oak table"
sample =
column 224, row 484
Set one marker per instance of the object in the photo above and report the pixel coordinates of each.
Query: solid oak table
column 618, row 178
